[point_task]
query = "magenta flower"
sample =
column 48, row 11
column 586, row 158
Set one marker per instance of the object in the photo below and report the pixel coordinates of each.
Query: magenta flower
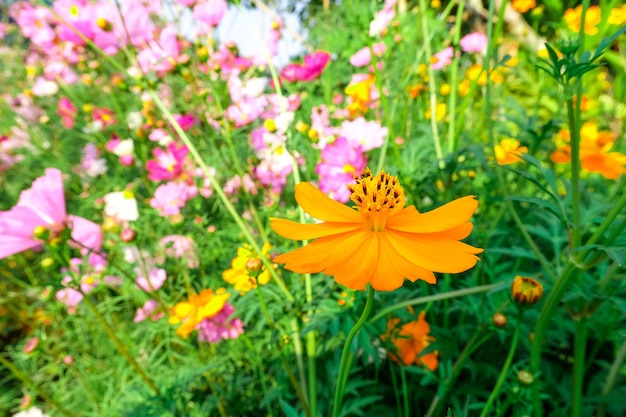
column 340, row 161
column 313, row 66
column 168, row 164
column 210, row 12
column 43, row 207
column 155, row 279
column 362, row 57
column 218, row 327
column 186, row 121
column 474, row 42
column 67, row 111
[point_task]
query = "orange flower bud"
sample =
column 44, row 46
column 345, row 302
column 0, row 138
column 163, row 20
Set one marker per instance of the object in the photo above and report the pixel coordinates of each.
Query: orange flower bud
column 499, row 320
column 526, row 291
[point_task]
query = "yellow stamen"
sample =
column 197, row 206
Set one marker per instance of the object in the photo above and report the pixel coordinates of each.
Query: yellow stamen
column 377, row 197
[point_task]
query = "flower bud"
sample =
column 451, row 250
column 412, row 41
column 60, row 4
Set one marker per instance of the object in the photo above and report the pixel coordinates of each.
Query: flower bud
column 128, row 235
column 41, row 233
column 499, row 320
column 47, row 262
column 526, row 291
column 30, row 345
column 525, row 377
column 254, row 265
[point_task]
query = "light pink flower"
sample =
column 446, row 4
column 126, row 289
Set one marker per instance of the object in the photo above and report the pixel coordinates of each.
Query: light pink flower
column 379, row 49
column 44, row 205
column 340, row 161
column 362, row 57
column 169, row 198
column 210, row 12
column 360, row 132
column 91, row 165
column 474, row 42
column 147, row 312
column 163, row 55
column 181, row 247
column 442, row 58
column 70, row 297
column 382, row 20
column 168, row 164
column 219, row 327
column 154, row 281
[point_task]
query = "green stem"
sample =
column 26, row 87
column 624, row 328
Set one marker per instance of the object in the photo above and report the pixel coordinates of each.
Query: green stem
column 580, row 348
column 614, row 372
column 436, row 297
column 405, row 392
column 431, row 85
column 120, row 346
column 575, row 163
column 454, row 70
column 28, row 382
column 505, row 368
column 344, row 370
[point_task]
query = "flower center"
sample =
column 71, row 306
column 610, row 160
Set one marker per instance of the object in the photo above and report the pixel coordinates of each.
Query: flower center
column 377, row 197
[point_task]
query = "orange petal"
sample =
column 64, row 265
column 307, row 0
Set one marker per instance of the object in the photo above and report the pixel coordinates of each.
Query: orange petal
column 434, row 254
column 298, row 231
column 393, row 268
column 320, row 206
column 443, row 218
column 355, row 263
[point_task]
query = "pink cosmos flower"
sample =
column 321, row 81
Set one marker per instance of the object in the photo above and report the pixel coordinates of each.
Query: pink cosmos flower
column 219, row 327
column 104, row 116
column 147, row 312
column 313, row 66
column 67, row 111
column 136, row 27
column 91, row 165
column 360, row 132
column 161, row 56
column 70, row 297
column 154, row 281
column 442, row 58
column 381, row 20
column 35, row 25
column 362, row 57
column 340, row 161
column 169, row 198
column 210, row 12
column 124, row 149
column 181, row 247
column 186, row 121
column 79, row 17
column 44, row 205
column 168, row 164
column 379, row 49
column 233, row 185
column 474, row 42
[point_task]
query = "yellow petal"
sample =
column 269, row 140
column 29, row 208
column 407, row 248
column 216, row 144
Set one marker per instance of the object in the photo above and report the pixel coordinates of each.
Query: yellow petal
column 298, row 231
column 434, row 254
column 443, row 218
column 320, row 206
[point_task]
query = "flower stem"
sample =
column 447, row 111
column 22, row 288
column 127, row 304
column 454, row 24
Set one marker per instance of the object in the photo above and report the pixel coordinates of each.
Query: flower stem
column 120, row 346
column 505, row 368
column 437, row 297
column 454, row 70
column 342, row 376
column 612, row 377
column 28, row 382
column 580, row 348
column 575, row 146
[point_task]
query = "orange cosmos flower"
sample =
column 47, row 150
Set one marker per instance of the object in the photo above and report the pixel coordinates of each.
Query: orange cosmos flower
column 509, row 151
column 379, row 241
column 523, row 6
column 197, row 308
column 593, row 17
column 410, row 340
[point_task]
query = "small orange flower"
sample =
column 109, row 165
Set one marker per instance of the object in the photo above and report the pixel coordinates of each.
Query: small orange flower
column 526, row 291
column 410, row 340
column 593, row 17
column 523, row 6
column 199, row 307
column 382, row 242
column 509, row 151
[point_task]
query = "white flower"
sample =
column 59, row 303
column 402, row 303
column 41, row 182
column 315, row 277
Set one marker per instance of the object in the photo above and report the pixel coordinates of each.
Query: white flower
column 134, row 120
column 44, row 87
column 31, row 412
column 121, row 205
column 283, row 121
column 125, row 147
column 254, row 87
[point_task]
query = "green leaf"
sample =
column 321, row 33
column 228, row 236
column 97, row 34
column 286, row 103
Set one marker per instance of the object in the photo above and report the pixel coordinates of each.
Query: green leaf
column 606, row 42
column 288, row 410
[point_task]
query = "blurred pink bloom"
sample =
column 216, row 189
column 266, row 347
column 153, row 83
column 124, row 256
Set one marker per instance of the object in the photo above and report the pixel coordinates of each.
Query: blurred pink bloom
column 186, row 2
column 186, row 121
column 379, row 49
column 313, row 66
column 247, row 110
column 43, row 87
column 136, row 28
column 210, row 11
column 79, row 17
column 35, row 25
column 67, row 111
column 181, row 247
column 124, row 149
column 340, row 161
column 442, row 58
column 169, row 198
column 161, row 56
column 367, row 134
column 161, row 136
column 91, row 165
column 219, row 327
column 44, row 205
column 206, row 190
column 168, row 164
column 24, row 107
column 147, row 312
column 30, row 345
column 154, row 281
column 104, row 115
column 3, row 30
column 362, row 57
column 474, row 42
column 233, row 185
column 382, row 19
column 70, row 297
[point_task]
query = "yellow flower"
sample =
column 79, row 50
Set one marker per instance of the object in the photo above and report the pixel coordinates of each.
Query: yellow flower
column 592, row 18
column 526, row 291
column 199, row 307
column 618, row 16
column 360, row 93
column 241, row 276
column 410, row 340
column 509, row 151
column 379, row 241
column 523, row 6
column 440, row 112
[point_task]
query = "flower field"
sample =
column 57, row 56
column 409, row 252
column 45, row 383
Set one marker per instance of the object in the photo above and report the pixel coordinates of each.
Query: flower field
column 423, row 213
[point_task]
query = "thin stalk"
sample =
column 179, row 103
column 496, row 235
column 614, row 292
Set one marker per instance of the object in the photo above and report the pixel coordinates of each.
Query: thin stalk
column 395, row 388
column 120, row 346
column 28, row 382
column 612, row 377
column 405, row 392
column 505, row 368
column 344, row 369
column 431, row 85
column 580, row 348
column 436, row 297
column 259, row 370
column 574, row 130
column 221, row 195
column 454, row 70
